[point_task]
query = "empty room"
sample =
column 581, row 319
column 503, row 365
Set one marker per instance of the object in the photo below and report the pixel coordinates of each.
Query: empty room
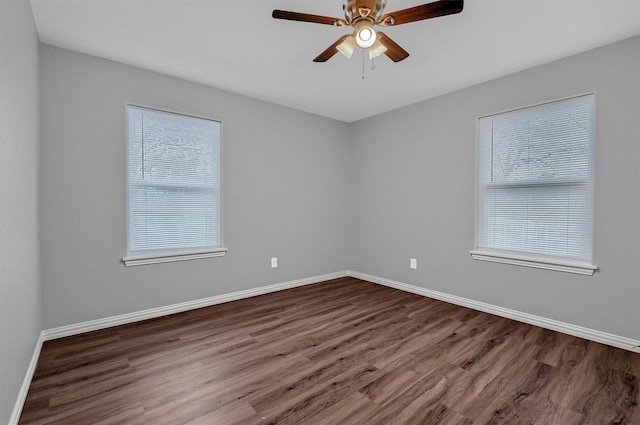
column 338, row 212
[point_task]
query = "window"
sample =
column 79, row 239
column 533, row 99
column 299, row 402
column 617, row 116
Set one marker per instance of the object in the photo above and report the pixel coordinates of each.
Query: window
column 535, row 186
column 173, row 187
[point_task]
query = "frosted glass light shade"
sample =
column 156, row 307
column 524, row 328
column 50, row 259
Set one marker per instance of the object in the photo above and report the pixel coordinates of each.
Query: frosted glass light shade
column 347, row 46
column 377, row 49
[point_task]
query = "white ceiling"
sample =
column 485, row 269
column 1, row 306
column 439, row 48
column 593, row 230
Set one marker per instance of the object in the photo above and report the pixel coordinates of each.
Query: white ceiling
column 235, row 45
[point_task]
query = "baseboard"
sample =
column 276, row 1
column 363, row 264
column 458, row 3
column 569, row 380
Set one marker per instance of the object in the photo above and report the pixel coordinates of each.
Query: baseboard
column 123, row 319
column 24, row 389
column 567, row 328
column 555, row 325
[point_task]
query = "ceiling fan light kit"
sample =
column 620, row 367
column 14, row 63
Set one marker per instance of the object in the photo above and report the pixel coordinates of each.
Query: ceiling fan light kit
column 363, row 16
column 377, row 49
column 347, row 46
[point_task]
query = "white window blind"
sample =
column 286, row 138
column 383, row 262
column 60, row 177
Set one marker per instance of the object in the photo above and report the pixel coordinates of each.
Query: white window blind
column 535, row 187
column 173, row 182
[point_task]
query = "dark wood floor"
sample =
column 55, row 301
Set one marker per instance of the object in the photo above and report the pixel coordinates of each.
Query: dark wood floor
column 340, row 352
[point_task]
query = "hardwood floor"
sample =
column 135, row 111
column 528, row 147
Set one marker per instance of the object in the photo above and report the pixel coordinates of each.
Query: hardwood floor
column 339, row 352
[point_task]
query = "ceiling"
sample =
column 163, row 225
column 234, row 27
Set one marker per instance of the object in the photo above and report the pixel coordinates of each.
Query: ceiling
column 235, row 45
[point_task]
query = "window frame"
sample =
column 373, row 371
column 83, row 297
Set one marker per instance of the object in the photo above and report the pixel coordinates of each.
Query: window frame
column 527, row 259
column 177, row 254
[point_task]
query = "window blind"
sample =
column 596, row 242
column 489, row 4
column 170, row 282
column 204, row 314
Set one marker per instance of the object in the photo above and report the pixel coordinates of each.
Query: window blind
column 535, row 185
column 173, row 182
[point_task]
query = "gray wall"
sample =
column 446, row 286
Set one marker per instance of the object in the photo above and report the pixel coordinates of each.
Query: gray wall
column 285, row 191
column 20, row 294
column 406, row 179
column 413, row 194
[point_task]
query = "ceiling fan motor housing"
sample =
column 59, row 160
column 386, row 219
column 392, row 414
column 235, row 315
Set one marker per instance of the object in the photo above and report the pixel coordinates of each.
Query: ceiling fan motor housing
column 354, row 9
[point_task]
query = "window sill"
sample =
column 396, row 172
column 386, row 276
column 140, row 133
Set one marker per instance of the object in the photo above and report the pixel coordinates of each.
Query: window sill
column 578, row 267
column 141, row 260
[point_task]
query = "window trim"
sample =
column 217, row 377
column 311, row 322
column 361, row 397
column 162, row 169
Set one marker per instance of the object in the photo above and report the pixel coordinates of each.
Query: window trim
column 176, row 255
column 538, row 262
column 569, row 265
column 141, row 260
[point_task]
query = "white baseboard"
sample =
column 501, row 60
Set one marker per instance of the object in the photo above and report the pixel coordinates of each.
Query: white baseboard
column 555, row 325
column 24, row 389
column 123, row 319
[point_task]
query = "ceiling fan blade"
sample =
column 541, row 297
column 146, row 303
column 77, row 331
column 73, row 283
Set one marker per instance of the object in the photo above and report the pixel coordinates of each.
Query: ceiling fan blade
column 331, row 50
column 426, row 11
column 305, row 17
column 394, row 51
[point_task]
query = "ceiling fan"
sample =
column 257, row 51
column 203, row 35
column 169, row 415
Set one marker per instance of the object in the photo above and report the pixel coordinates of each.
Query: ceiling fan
column 363, row 16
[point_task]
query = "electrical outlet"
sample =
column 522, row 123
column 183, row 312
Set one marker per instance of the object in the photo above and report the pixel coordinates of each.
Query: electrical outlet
column 274, row 262
column 413, row 263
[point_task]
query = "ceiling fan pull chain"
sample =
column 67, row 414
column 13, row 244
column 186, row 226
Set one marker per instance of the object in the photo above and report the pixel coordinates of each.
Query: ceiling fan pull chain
column 373, row 65
column 362, row 63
